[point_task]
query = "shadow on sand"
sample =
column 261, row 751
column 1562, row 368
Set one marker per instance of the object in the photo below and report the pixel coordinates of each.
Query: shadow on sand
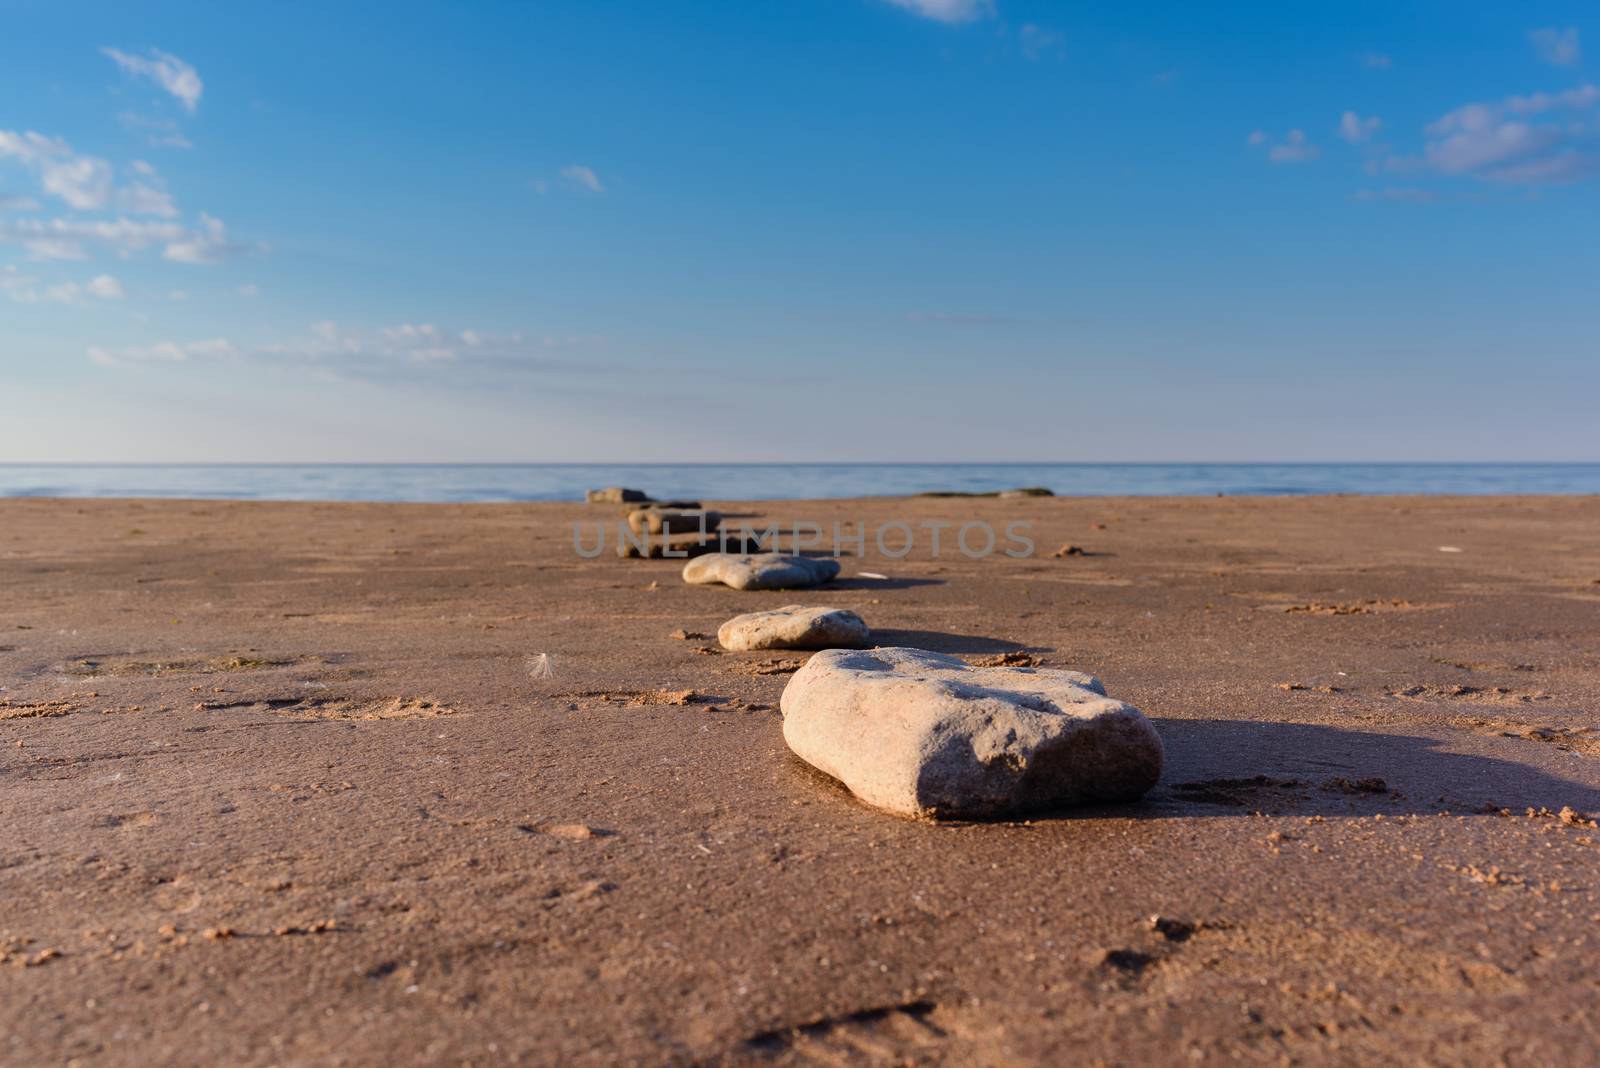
column 938, row 641
column 1218, row 767
column 1228, row 768
column 880, row 584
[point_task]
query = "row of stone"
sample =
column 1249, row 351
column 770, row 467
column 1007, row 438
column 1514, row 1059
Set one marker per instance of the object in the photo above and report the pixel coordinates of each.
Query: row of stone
column 923, row 734
column 910, row 731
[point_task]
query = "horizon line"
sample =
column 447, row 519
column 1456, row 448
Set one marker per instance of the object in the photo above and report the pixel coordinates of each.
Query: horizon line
column 796, row 463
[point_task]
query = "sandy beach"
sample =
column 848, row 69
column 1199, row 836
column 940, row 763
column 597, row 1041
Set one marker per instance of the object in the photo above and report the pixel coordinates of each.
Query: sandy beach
column 290, row 784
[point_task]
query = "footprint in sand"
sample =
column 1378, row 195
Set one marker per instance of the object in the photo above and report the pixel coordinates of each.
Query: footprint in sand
column 335, row 707
column 1500, row 695
column 889, row 1034
column 1585, row 740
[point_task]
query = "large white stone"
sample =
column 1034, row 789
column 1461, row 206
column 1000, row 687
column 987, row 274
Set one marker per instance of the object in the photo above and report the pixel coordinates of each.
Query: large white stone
column 760, row 571
column 923, row 734
column 794, row 626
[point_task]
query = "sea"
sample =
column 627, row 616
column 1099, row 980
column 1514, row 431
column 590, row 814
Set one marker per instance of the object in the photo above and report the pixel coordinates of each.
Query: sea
column 567, row 482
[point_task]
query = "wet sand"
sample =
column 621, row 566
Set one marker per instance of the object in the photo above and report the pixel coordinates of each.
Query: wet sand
column 280, row 786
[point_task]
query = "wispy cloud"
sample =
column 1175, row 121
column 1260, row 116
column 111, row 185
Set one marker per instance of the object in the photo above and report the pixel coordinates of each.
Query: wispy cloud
column 583, row 177
column 86, row 183
column 1355, row 129
column 164, row 352
column 1037, row 41
column 169, row 72
column 27, row 289
column 948, row 11
column 157, row 131
column 71, row 239
column 1521, row 139
column 1557, row 47
column 1376, row 60
column 104, row 287
column 208, row 244
column 1293, row 147
column 425, row 351
column 83, row 182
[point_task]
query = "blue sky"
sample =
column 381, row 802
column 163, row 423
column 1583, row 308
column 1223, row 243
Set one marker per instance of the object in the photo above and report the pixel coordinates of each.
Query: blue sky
column 799, row 230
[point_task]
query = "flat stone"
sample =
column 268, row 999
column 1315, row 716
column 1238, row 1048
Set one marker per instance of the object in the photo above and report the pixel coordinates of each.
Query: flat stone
column 923, row 734
column 794, row 626
column 615, row 495
column 666, row 521
column 760, row 571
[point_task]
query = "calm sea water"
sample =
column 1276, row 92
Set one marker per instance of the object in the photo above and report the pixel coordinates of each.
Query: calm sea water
column 567, row 482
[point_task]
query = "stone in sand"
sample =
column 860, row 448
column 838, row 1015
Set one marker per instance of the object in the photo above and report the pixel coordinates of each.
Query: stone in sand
column 616, row 495
column 683, row 547
column 794, row 626
column 667, row 521
column 760, row 571
column 923, row 734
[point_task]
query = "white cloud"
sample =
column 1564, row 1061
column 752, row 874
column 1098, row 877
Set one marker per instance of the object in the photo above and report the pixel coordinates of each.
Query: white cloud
column 1506, row 141
column 166, row 70
column 143, row 199
column 70, row 239
column 164, row 352
column 1294, row 148
column 1376, row 60
column 580, row 175
column 83, row 182
column 25, row 289
column 208, row 244
column 1559, row 48
column 14, row 284
column 105, row 287
column 54, row 248
column 950, row 11
column 249, row 289
column 1355, row 129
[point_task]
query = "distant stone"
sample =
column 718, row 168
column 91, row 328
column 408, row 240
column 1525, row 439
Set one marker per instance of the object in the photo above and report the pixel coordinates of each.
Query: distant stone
column 616, row 495
column 655, row 520
column 923, row 734
column 794, row 627
column 683, row 547
column 760, row 571
column 1025, row 491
